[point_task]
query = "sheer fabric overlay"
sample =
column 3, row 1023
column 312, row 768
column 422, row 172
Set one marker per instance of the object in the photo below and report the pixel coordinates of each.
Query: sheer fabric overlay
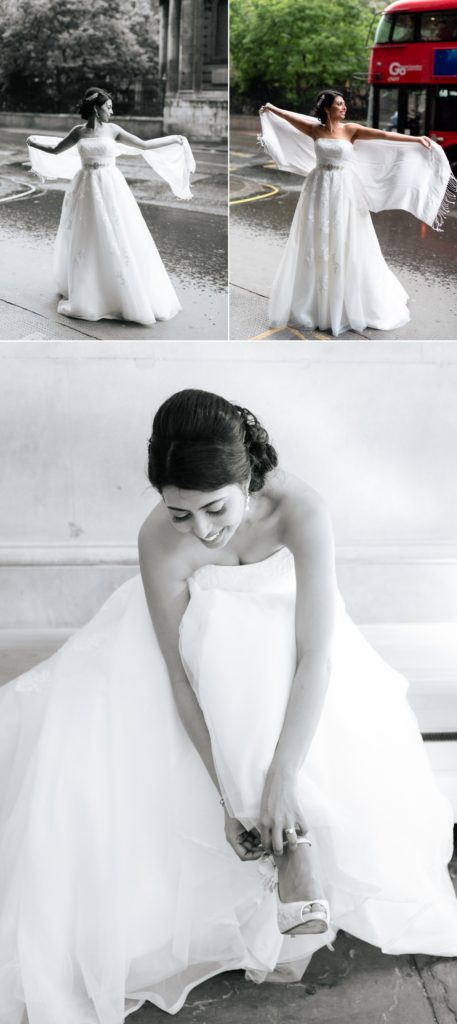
column 117, row 884
column 332, row 274
column 106, row 264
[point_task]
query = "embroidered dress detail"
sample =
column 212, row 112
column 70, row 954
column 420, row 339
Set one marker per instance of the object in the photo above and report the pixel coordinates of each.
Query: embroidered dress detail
column 106, row 263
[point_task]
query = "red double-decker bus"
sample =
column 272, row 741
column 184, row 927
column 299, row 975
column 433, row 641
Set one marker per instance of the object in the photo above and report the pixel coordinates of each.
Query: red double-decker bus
column 413, row 71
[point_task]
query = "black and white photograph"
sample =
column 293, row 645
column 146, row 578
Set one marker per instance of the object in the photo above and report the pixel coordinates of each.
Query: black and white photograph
column 113, row 157
column 228, row 650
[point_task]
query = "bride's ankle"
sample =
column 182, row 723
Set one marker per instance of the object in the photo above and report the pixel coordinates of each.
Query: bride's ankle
column 298, row 878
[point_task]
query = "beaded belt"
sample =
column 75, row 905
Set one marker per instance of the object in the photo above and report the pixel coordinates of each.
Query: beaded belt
column 331, row 167
column 95, row 167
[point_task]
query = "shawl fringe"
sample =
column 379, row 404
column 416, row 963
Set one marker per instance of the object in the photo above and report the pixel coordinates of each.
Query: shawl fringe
column 448, row 201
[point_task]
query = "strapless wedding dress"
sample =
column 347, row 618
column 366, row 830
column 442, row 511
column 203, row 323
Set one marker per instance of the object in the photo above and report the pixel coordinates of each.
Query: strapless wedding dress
column 106, row 262
column 117, row 884
column 333, row 275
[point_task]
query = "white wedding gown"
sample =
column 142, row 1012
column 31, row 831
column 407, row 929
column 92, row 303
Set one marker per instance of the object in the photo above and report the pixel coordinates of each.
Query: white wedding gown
column 106, row 263
column 332, row 274
column 117, row 883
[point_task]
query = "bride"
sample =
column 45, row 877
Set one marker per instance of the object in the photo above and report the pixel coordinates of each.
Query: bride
column 332, row 274
column 164, row 772
column 106, row 262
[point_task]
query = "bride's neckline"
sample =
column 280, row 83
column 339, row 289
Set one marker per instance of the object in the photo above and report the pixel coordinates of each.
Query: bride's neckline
column 281, row 555
column 321, row 138
column 97, row 138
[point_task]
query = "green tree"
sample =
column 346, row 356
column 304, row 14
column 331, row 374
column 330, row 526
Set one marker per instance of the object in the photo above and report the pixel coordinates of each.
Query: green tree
column 52, row 50
column 287, row 50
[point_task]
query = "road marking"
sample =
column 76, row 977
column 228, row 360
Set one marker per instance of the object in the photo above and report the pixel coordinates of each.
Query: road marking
column 19, row 195
column 276, row 330
column 262, row 195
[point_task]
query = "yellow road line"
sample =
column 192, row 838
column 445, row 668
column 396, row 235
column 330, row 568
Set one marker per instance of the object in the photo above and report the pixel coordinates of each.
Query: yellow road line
column 276, row 330
column 262, row 195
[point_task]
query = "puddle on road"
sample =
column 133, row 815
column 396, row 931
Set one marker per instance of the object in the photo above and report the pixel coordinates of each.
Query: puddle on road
column 194, row 245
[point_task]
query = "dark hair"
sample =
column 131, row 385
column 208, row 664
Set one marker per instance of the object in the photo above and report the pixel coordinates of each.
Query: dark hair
column 201, row 442
column 325, row 99
column 92, row 98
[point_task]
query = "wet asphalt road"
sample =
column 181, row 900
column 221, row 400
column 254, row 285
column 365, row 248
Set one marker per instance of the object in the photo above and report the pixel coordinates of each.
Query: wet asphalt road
column 424, row 260
column 191, row 238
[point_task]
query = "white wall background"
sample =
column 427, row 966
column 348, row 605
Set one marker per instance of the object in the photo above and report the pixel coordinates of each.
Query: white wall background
column 372, row 427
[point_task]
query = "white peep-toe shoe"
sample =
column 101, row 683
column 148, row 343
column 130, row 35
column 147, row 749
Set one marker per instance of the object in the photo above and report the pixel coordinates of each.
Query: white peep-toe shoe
column 314, row 913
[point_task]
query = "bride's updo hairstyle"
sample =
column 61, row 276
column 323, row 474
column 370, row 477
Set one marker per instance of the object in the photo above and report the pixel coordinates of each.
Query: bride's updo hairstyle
column 92, row 98
column 201, row 442
column 325, row 99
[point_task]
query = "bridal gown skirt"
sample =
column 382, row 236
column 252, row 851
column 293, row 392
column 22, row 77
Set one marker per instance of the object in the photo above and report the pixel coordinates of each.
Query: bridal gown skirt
column 106, row 262
column 332, row 273
column 117, row 884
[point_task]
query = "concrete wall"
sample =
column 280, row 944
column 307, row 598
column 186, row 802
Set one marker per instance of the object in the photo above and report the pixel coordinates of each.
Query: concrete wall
column 373, row 428
column 202, row 116
column 59, row 124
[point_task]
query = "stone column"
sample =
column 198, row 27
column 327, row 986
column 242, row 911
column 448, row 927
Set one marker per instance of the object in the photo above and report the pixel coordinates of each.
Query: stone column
column 186, row 45
column 173, row 46
column 163, row 38
column 198, row 48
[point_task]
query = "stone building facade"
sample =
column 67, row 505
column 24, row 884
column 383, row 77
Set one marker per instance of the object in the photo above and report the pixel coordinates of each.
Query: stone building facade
column 193, row 65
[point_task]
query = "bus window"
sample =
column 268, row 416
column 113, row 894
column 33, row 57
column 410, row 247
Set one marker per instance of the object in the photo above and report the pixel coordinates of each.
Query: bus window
column 388, row 110
column 445, row 109
column 403, row 31
column 383, row 29
column 415, row 112
column 440, row 27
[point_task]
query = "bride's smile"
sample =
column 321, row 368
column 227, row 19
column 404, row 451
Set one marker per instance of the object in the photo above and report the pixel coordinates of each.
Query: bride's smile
column 212, row 517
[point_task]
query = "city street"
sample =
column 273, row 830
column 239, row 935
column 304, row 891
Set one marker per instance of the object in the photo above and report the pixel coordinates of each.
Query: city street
column 263, row 201
column 191, row 238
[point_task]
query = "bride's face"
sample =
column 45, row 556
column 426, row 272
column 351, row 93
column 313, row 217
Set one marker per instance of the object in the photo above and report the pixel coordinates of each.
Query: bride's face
column 212, row 516
column 338, row 108
column 105, row 111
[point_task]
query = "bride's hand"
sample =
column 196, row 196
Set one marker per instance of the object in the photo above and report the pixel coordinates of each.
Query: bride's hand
column 264, row 107
column 280, row 809
column 425, row 141
column 245, row 844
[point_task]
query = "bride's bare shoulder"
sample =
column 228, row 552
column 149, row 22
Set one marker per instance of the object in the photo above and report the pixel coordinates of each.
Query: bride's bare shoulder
column 303, row 511
column 162, row 551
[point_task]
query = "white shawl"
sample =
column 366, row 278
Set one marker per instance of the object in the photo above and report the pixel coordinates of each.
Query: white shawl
column 393, row 175
column 174, row 163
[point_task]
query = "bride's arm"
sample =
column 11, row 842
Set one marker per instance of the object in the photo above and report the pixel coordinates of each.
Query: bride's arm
column 128, row 139
column 66, row 143
column 308, row 535
column 296, row 120
column 361, row 133
column 167, row 599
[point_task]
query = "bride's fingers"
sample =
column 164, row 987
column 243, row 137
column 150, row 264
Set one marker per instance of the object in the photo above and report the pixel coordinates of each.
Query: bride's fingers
column 291, row 838
column 278, row 840
column 265, row 837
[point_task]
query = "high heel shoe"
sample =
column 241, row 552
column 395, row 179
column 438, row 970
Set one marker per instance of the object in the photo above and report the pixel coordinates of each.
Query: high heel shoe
column 315, row 913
